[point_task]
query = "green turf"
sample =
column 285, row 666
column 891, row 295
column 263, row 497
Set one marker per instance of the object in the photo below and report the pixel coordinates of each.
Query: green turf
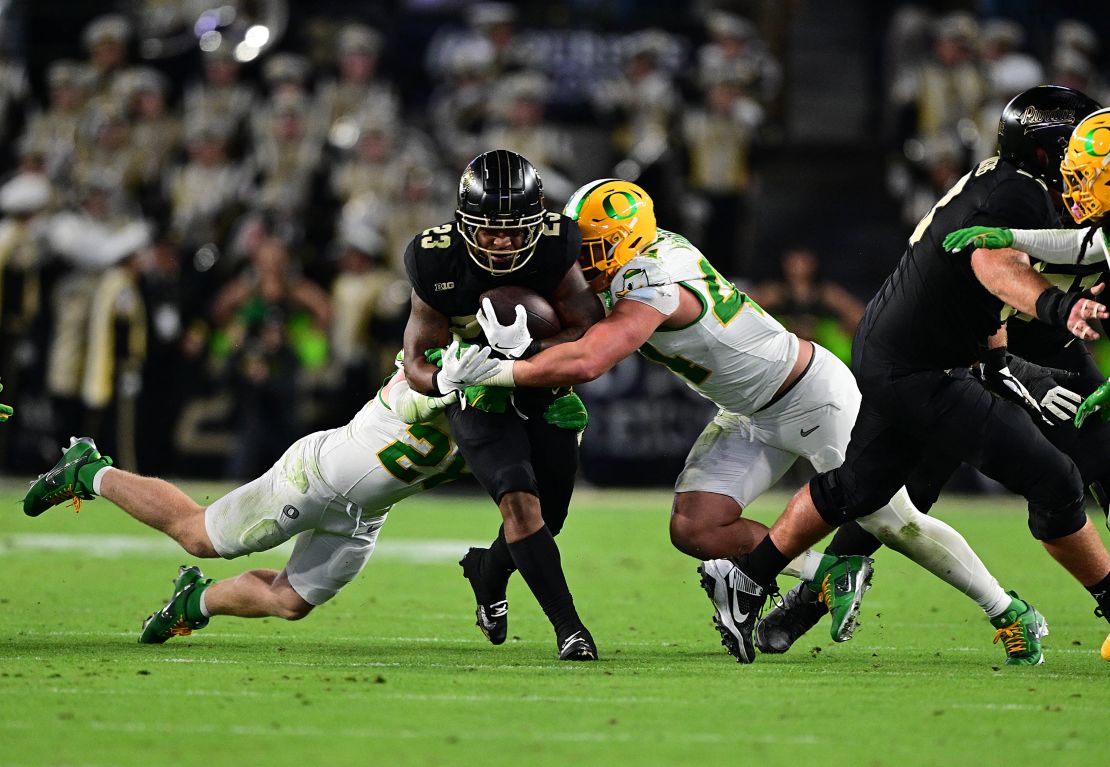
column 393, row 671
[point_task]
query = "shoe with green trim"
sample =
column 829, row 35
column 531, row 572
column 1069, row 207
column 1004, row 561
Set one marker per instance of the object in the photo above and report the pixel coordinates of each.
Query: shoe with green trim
column 840, row 585
column 70, row 479
column 172, row 620
column 1021, row 629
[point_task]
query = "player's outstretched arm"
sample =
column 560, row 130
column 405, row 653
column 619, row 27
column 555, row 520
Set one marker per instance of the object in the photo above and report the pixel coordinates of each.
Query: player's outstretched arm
column 1054, row 246
column 603, row 346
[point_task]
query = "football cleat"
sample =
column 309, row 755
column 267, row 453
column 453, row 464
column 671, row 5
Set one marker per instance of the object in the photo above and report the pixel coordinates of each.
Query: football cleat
column 70, row 479
column 737, row 602
column 493, row 609
column 840, row 585
column 578, row 646
column 1021, row 629
column 171, row 620
column 798, row 612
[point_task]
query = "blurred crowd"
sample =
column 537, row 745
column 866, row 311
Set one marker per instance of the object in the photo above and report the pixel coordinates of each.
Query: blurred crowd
column 198, row 268
column 948, row 78
column 203, row 210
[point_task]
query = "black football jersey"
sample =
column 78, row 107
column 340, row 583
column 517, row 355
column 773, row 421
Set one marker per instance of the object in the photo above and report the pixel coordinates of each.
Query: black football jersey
column 446, row 278
column 932, row 312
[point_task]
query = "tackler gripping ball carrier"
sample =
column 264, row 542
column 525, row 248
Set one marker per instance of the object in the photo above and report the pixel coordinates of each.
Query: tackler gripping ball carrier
column 617, row 220
column 502, row 192
column 1086, row 168
column 1035, row 127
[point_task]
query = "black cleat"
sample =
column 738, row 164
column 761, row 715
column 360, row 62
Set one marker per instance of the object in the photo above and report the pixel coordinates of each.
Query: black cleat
column 493, row 608
column 737, row 602
column 799, row 611
column 578, row 646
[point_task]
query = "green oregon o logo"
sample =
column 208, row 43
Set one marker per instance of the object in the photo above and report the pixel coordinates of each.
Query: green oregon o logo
column 611, row 211
column 1097, row 143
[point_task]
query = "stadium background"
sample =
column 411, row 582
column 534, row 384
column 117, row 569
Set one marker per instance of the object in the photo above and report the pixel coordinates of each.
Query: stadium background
column 203, row 208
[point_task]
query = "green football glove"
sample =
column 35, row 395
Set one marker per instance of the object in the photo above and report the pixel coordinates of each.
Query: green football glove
column 567, row 412
column 492, row 399
column 1097, row 401
column 6, row 411
column 988, row 237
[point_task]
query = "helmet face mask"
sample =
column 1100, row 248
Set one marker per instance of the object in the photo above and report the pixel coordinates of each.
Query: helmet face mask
column 617, row 220
column 1086, row 169
column 1035, row 126
column 500, row 194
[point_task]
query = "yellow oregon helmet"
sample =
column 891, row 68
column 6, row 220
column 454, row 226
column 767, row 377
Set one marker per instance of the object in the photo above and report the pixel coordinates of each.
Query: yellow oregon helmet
column 617, row 219
column 1086, row 168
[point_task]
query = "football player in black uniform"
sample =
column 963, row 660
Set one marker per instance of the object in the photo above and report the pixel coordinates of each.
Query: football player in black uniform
column 929, row 322
column 1055, row 397
column 503, row 235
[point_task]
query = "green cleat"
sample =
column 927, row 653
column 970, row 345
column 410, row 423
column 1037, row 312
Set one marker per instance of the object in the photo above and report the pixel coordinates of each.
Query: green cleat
column 839, row 585
column 172, row 620
column 1021, row 629
column 71, row 478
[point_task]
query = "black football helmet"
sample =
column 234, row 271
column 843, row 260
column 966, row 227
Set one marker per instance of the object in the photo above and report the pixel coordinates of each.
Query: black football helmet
column 1035, row 127
column 500, row 190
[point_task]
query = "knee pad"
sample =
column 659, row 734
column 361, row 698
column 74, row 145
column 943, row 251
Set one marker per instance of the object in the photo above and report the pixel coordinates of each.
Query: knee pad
column 1057, row 505
column 515, row 477
column 838, row 499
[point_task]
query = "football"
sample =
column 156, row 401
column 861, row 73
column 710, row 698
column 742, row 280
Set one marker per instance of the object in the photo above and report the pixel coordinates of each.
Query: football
column 543, row 322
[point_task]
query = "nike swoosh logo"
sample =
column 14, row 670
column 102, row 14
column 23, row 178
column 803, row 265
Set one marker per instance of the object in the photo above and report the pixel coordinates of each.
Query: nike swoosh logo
column 807, row 432
column 739, row 616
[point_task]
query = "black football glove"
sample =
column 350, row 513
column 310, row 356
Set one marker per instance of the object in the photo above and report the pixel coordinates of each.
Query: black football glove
column 1040, row 390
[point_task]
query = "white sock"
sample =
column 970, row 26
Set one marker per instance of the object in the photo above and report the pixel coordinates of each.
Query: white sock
column 938, row 548
column 804, row 566
column 98, row 478
column 203, row 605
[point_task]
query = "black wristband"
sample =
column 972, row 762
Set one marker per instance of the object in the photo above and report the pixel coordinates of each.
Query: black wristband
column 435, row 383
column 531, row 350
column 1054, row 306
column 995, row 359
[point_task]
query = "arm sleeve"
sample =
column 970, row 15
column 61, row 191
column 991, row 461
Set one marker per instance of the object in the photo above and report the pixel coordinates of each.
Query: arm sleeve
column 1059, row 246
column 413, row 407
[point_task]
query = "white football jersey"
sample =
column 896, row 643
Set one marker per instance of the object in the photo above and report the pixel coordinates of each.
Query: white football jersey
column 734, row 354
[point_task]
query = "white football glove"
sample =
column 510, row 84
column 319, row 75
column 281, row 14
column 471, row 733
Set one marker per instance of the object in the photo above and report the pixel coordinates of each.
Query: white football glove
column 510, row 340
column 1061, row 403
column 464, row 369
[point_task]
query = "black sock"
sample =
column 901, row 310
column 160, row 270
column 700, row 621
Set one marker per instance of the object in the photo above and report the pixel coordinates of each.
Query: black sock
column 497, row 562
column 853, row 539
column 1101, row 592
column 763, row 562
column 537, row 558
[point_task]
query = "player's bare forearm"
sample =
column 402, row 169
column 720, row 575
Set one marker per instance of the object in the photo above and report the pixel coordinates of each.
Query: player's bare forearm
column 1007, row 274
column 578, row 308
column 603, row 346
column 426, row 329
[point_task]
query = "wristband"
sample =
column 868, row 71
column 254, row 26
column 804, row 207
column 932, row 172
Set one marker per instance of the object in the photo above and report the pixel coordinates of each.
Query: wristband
column 531, row 350
column 995, row 359
column 435, row 384
column 1054, row 306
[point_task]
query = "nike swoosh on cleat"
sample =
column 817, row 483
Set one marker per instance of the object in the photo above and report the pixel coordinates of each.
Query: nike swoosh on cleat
column 807, row 432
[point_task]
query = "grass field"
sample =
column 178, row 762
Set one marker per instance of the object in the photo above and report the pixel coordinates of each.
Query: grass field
column 394, row 672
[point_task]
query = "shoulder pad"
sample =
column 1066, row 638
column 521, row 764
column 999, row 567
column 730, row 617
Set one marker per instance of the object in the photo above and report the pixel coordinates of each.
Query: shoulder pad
column 641, row 272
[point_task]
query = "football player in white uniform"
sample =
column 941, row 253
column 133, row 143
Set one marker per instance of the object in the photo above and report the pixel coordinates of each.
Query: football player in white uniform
column 780, row 397
column 332, row 489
